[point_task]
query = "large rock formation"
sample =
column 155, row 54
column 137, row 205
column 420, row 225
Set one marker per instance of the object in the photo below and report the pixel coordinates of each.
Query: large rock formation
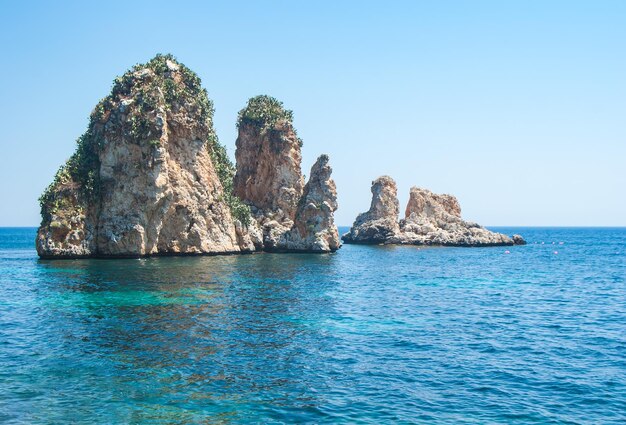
column 430, row 219
column 144, row 179
column 149, row 177
column 380, row 223
column 269, row 176
column 289, row 215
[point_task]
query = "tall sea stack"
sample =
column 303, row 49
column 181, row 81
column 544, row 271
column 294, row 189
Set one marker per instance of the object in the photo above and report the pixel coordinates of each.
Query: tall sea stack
column 380, row 222
column 269, row 179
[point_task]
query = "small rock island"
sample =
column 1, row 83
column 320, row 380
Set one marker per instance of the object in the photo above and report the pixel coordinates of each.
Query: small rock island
column 149, row 177
column 430, row 219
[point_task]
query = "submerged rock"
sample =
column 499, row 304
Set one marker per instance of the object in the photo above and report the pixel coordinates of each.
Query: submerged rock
column 145, row 178
column 430, row 219
column 289, row 215
column 380, row 222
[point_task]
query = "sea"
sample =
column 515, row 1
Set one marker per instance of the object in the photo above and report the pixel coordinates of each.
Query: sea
column 367, row 335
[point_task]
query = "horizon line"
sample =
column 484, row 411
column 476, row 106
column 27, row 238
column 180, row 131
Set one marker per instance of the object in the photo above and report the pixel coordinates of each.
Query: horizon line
column 582, row 226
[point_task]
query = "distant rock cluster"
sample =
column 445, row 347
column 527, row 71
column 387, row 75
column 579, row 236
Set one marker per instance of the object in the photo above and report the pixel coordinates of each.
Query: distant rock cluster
column 430, row 219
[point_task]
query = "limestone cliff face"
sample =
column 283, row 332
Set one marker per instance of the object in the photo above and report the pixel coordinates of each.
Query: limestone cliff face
column 314, row 226
column 380, row 223
column 269, row 179
column 143, row 180
column 268, row 168
column 430, row 219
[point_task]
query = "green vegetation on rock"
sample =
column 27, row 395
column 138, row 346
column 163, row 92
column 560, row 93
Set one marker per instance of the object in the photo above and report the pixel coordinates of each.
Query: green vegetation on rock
column 79, row 174
column 226, row 172
column 162, row 80
column 190, row 85
column 265, row 112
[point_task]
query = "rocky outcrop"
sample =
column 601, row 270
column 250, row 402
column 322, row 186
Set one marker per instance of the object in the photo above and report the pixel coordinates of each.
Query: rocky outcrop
column 268, row 157
column 289, row 215
column 314, row 227
column 149, row 177
column 380, row 223
column 424, row 202
column 430, row 219
column 268, row 168
column 143, row 180
column 69, row 227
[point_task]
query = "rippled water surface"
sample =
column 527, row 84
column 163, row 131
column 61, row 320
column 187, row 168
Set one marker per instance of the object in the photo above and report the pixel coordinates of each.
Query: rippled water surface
column 367, row 335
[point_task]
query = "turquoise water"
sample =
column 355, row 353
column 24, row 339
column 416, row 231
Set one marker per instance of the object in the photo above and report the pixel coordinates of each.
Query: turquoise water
column 367, row 335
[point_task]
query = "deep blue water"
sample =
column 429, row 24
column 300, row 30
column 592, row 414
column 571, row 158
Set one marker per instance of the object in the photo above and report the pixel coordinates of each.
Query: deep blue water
column 367, row 335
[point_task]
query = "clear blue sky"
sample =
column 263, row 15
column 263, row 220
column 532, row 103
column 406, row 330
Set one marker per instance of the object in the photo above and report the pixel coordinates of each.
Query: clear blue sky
column 516, row 107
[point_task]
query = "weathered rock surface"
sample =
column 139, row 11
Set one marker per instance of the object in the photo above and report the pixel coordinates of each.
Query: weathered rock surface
column 380, row 223
column 424, row 202
column 268, row 168
column 143, row 180
column 269, row 176
column 430, row 219
column 290, row 216
column 69, row 229
column 314, row 228
column 149, row 177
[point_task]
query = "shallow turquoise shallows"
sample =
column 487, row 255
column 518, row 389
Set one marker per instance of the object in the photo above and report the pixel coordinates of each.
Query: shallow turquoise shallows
column 367, row 335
